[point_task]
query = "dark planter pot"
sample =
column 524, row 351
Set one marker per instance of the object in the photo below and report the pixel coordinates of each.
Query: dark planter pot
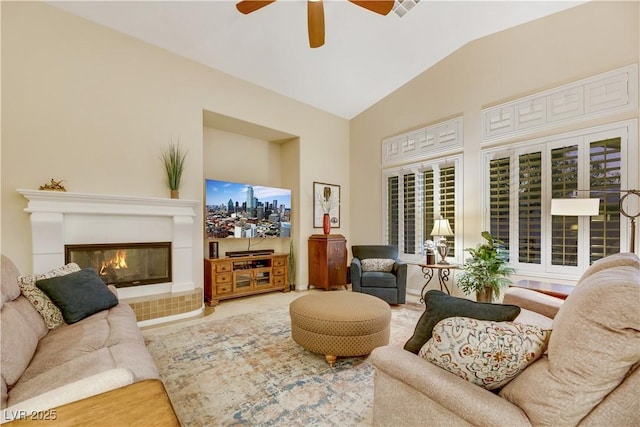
column 485, row 295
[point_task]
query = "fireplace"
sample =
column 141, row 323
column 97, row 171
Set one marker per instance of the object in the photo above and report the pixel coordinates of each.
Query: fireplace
column 124, row 264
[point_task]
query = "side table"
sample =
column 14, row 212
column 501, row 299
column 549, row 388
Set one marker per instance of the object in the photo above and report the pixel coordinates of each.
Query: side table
column 444, row 272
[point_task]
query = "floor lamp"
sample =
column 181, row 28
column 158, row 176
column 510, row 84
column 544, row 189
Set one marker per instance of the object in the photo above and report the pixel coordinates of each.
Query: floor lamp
column 589, row 207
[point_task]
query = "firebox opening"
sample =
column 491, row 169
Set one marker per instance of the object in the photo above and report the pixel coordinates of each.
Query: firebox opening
column 124, row 264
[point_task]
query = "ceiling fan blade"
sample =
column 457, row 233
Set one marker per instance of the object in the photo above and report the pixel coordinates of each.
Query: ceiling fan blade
column 248, row 6
column 315, row 23
column 382, row 7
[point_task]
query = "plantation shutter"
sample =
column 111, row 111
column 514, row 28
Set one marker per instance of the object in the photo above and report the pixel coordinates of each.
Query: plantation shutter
column 499, row 197
column 429, row 203
column 409, row 192
column 447, row 200
column 529, row 208
column 393, row 210
column 605, row 162
column 564, row 229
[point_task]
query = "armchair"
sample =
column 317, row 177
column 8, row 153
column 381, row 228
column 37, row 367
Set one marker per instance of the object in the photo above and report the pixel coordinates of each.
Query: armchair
column 383, row 274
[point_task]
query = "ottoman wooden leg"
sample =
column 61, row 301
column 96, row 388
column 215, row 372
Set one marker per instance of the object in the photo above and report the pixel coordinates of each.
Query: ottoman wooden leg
column 330, row 359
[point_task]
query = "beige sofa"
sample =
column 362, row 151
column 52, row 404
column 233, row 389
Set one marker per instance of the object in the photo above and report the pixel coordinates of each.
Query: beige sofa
column 44, row 368
column 587, row 377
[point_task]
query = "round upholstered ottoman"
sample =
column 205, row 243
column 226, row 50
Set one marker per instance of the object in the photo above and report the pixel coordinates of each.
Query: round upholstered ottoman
column 340, row 323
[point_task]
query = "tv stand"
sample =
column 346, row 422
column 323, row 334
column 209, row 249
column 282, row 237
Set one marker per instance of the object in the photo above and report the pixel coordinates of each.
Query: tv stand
column 249, row 252
column 238, row 276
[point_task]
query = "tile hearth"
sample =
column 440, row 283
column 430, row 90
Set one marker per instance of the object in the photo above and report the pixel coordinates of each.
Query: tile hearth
column 165, row 305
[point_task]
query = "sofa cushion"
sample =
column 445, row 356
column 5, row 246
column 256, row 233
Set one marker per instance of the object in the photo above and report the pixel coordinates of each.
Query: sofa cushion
column 378, row 279
column 483, row 352
column 377, row 264
column 9, row 273
column 78, row 294
column 42, row 303
column 617, row 260
column 440, row 306
column 595, row 343
column 19, row 343
column 106, row 340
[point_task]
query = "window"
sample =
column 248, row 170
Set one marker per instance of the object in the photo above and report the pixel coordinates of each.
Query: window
column 523, row 178
column 417, row 195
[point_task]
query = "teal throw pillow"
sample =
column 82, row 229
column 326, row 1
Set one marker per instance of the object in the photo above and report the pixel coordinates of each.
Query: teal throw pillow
column 78, row 295
column 441, row 306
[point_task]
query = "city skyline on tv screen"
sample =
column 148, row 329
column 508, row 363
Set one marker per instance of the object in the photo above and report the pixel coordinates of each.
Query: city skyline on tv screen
column 241, row 210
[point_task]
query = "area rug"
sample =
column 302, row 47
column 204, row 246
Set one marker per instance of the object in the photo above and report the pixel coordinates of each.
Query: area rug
column 247, row 371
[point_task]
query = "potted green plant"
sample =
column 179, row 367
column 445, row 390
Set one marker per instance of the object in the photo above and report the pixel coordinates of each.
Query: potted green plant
column 173, row 161
column 487, row 271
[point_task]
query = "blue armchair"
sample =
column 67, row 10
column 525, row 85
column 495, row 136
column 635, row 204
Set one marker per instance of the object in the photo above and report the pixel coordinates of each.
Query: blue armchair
column 376, row 270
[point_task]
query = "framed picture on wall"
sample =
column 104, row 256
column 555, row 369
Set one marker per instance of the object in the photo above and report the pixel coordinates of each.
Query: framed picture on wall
column 326, row 199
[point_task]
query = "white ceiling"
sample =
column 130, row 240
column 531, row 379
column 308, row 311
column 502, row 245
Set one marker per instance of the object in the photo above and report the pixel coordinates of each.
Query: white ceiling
column 366, row 56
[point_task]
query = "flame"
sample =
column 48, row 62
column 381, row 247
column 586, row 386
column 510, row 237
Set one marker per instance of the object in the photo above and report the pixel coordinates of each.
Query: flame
column 117, row 262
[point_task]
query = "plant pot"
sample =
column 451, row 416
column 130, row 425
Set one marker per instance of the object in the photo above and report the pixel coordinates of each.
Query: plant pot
column 484, row 295
column 175, row 194
column 326, row 224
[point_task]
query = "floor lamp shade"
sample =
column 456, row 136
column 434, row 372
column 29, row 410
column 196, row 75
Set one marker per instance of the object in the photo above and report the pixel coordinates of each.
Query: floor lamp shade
column 575, row 207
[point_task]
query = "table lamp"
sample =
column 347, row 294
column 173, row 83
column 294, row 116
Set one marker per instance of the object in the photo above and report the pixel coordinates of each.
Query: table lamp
column 442, row 228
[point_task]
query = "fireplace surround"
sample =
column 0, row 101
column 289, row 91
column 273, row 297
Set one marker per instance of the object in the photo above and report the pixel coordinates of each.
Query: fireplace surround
column 60, row 219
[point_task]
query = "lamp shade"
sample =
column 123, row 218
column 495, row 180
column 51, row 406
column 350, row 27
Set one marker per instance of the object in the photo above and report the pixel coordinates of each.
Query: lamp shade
column 575, row 207
column 441, row 228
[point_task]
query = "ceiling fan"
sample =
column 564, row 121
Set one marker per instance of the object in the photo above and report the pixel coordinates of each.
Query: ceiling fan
column 315, row 14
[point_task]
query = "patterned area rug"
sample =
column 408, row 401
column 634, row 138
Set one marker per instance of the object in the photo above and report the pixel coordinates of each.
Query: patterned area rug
column 246, row 370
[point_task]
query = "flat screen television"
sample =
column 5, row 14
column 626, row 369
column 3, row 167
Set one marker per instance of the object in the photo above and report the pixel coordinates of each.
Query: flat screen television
column 240, row 210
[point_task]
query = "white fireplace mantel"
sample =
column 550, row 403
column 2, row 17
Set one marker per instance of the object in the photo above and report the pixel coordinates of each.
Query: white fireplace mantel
column 81, row 203
column 59, row 218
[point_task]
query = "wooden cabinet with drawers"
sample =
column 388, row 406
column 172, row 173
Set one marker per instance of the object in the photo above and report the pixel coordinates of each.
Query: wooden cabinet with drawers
column 233, row 277
column 327, row 261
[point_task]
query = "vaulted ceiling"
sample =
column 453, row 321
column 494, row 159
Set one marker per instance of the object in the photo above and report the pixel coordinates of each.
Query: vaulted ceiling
column 366, row 56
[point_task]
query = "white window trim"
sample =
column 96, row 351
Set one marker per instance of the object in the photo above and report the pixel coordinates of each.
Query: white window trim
column 418, row 168
column 627, row 130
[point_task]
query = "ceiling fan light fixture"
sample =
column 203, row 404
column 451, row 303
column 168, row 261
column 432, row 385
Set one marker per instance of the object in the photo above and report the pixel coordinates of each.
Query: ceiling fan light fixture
column 315, row 13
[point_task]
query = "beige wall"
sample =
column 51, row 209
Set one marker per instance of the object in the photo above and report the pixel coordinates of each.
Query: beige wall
column 574, row 44
column 228, row 156
column 95, row 108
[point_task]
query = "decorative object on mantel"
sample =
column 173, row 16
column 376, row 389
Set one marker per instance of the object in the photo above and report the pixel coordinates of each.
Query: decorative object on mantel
column 173, row 161
column 53, row 185
column 326, row 206
column 485, row 273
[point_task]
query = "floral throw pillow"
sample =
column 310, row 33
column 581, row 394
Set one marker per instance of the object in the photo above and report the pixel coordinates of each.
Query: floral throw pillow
column 483, row 352
column 50, row 313
column 377, row 264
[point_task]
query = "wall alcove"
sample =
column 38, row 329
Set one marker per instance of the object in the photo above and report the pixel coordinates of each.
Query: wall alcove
column 240, row 151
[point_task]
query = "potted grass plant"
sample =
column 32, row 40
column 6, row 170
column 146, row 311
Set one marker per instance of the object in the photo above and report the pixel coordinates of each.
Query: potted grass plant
column 292, row 267
column 486, row 271
column 173, row 160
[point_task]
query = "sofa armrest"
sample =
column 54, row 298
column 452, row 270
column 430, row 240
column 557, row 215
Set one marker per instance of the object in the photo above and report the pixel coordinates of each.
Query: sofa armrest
column 546, row 305
column 77, row 390
column 464, row 399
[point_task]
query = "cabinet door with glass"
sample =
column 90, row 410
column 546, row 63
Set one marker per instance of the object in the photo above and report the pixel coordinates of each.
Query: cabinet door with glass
column 262, row 278
column 242, row 280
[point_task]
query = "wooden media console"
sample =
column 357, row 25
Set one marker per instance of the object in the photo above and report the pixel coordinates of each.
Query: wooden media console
column 238, row 276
